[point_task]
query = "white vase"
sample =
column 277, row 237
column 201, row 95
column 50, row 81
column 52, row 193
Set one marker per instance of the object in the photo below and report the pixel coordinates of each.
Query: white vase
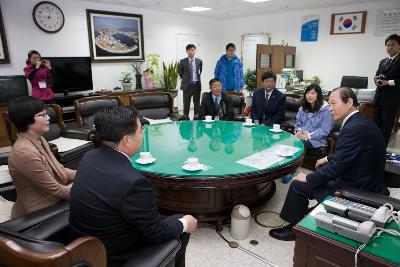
column 126, row 86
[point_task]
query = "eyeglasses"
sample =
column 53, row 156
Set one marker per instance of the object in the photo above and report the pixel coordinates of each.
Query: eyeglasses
column 43, row 114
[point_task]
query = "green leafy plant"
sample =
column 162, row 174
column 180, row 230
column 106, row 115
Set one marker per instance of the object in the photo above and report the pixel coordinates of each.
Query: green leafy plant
column 170, row 76
column 250, row 80
column 126, row 77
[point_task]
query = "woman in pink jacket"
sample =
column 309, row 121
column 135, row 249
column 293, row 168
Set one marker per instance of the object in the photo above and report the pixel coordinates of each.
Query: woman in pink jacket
column 39, row 72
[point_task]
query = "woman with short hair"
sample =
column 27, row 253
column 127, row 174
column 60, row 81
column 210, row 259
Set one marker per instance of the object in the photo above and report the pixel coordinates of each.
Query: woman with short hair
column 39, row 179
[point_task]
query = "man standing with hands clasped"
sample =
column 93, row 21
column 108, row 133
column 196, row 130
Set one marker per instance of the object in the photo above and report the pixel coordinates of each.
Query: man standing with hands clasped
column 114, row 202
column 190, row 69
column 358, row 162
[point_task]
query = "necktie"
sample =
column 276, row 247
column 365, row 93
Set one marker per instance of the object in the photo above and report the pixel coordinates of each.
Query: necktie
column 191, row 70
column 387, row 64
column 216, row 106
column 266, row 98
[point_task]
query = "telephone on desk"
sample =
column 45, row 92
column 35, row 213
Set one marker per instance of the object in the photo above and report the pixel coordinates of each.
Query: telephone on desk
column 354, row 220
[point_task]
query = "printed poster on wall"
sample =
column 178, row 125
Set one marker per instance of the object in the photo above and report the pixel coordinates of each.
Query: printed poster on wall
column 309, row 28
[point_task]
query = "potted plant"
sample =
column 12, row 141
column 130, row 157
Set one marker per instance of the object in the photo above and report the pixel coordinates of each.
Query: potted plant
column 126, row 80
column 250, row 81
column 169, row 77
column 137, row 67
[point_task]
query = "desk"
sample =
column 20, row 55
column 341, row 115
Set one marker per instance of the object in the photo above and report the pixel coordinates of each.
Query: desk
column 318, row 247
column 210, row 195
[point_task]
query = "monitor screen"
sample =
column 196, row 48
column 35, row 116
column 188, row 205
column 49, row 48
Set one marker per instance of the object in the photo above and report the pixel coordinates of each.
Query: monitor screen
column 12, row 87
column 71, row 73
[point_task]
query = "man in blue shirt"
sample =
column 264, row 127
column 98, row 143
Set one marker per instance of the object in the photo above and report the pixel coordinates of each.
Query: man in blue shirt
column 229, row 70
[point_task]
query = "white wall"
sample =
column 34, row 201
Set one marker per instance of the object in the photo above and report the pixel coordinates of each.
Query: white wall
column 333, row 55
column 160, row 31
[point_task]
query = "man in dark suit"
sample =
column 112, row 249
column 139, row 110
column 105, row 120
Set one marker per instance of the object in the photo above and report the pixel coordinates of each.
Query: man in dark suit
column 114, row 202
column 216, row 103
column 387, row 79
column 190, row 69
column 358, row 162
column 269, row 105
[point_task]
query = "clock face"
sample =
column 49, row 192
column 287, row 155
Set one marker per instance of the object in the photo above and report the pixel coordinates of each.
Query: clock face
column 48, row 17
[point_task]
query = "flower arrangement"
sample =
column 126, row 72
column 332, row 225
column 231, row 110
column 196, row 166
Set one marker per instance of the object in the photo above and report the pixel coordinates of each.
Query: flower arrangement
column 153, row 62
column 126, row 77
column 137, row 67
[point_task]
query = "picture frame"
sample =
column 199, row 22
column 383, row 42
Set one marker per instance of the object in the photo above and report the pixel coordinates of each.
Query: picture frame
column 114, row 36
column 4, row 56
column 348, row 23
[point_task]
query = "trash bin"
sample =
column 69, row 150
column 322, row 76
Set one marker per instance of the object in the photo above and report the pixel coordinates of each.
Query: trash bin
column 240, row 222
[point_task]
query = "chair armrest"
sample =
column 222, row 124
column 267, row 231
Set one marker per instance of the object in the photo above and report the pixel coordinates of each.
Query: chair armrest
column 240, row 118
column 29, row 220
column 8, row 192
column 89, row 249
column 177, row 117
column 77, row 133
column 155, row 255
column 367, row 198
column 144, row 121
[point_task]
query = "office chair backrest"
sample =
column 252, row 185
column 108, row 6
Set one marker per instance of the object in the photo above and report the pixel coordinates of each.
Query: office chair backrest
column 153, row 105
column 357, row 82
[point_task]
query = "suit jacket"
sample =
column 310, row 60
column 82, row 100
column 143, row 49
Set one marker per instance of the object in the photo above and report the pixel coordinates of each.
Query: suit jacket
column 207, row 107
column 39, row 179
column 269, row 114
column 115, row 203
column 359, row 159
column 389, row 95
column 184, row 71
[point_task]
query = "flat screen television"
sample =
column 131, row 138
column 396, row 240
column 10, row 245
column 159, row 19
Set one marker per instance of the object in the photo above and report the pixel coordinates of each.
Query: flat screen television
column 12, row 87
column 71, row 74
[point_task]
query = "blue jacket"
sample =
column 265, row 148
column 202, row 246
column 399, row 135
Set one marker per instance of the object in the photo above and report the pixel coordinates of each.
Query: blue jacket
column 221, row 72
column 318, row 124
column 359, row 159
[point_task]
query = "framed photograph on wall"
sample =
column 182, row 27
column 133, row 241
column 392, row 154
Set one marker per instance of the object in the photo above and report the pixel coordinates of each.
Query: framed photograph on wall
column 348, row 23
column 4, row 57
column 115, row 37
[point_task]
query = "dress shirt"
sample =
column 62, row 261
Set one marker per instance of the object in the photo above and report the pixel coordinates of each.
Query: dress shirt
column 192, row 62
column 217, row 97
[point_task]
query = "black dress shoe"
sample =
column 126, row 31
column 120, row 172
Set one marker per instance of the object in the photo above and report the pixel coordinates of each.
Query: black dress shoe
column 285, row 233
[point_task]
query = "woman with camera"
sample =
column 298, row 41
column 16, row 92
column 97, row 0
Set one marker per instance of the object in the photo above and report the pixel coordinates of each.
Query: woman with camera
column 39, row 72
column 387, row 80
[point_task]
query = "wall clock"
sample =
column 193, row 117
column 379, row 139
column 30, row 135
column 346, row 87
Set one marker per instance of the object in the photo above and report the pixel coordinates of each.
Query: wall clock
column 48, row 17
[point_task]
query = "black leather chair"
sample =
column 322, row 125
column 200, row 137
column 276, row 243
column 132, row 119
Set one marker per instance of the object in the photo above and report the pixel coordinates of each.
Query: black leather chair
column 86, row 107
column 155, row 105
column 70, row 158
column 4, row 158
column 292, row 107
column 357, row 82
column 238, row 105
column 41, row 238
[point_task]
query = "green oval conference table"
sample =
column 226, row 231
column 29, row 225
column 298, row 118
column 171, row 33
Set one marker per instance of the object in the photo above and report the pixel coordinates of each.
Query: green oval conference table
column 240, row 164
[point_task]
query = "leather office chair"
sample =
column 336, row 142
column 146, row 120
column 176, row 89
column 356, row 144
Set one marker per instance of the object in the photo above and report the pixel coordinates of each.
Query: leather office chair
column 293, row 104
column 41, row 238
column 155, row 105
column 86, row 107
column 357, row 82
column 57, row 128
column 4, row 158
column 238, row 105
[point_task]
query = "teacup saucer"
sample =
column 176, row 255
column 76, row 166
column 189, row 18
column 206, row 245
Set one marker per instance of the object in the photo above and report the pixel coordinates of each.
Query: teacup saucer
column 275, row 131
column 209, row 120
column 144, row 162
column 284, row 154
column 248, row 124
column 189, row 168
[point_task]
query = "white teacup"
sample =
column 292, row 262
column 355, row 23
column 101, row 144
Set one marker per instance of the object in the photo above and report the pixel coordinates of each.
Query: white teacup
column 192, row 162
column 276, row 127
column 249, row 121
column 145, row 156
column 208, row 118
